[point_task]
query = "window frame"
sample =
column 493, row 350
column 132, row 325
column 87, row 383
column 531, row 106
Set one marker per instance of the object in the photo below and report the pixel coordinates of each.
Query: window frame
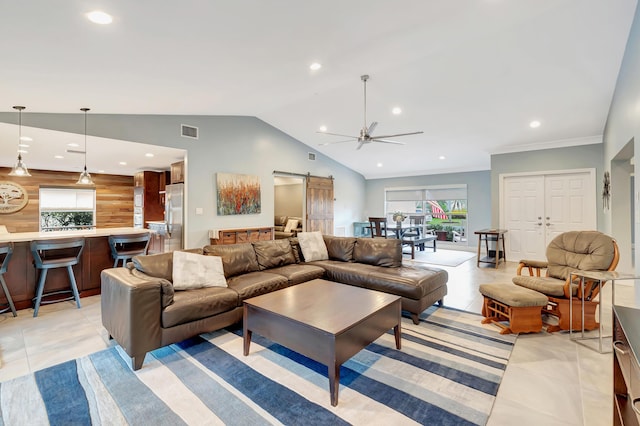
column 421, row 192
column 43, row 209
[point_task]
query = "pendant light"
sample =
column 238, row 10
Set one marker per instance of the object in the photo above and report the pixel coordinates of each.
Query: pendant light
column 85, row 177
column 20, row 169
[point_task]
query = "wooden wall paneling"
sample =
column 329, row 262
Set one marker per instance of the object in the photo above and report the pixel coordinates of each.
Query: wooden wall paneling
column 114, row 198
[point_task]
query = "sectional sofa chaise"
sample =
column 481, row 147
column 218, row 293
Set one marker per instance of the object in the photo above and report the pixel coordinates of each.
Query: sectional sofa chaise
column 142, row 311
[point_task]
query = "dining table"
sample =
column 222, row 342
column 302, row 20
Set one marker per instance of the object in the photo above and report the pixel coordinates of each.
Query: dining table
column 401, row 229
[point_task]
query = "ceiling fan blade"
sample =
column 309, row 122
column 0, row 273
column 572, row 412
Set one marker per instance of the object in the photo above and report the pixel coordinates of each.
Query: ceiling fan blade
column 372, row 127
column 399, row 134
column 338, row 134
column 332, row 142
column 360, row 145
column 387, row 141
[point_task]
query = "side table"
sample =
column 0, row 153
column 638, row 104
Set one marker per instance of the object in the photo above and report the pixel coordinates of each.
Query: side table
column 487, row 235
column 599, row 277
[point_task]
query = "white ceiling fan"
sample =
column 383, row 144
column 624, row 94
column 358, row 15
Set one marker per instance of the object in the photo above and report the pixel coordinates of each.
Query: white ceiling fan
column 365, row 133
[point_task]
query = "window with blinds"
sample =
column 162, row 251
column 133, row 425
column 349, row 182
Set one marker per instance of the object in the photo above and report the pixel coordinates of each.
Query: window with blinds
column 444, row 208
column 67, row 209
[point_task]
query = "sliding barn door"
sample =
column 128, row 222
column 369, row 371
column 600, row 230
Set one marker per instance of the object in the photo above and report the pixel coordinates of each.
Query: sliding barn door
column 320, row 205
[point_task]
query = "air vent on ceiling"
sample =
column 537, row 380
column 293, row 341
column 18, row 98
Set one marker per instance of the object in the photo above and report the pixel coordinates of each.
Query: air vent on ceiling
column 312, row 156
column 189, row 132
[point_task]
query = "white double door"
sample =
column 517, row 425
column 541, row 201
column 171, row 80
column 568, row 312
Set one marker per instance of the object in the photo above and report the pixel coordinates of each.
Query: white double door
column 536, row 208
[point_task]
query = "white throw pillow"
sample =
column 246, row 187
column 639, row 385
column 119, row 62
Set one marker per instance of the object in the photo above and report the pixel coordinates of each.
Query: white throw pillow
column 312, row 246
column 291, row 225
column 192, row 270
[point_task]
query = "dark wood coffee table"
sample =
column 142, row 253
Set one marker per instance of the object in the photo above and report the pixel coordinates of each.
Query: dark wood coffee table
column 325, row 321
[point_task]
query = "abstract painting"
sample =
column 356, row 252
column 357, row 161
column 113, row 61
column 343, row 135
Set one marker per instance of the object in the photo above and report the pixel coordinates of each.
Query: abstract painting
column 238, row 194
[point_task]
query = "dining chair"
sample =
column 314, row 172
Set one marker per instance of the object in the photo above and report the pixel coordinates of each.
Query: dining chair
column 379, row 229
column 417, row 221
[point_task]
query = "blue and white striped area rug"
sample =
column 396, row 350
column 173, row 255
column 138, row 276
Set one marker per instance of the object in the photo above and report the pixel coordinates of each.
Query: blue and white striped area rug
column 447, row 373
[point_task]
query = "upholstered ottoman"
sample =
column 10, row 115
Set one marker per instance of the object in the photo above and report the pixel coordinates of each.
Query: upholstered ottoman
column 520, row 306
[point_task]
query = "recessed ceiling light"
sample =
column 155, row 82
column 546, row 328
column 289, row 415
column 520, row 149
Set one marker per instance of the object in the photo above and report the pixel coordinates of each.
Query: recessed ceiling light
column 123, row 163
column 397, row 111
column 23, row 151
column 379, row 164
column 315, row 66
column 148, row 154
column 323, row 128
column 100, row 171
column 99, row 17
column 26, row 138
column 23, row 145
column 534, row 124
column 73, row 145
column 442, row 157
column 59, row 157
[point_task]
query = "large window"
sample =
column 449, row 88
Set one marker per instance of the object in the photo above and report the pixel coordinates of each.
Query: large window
column 63, row 209
column 443, row 207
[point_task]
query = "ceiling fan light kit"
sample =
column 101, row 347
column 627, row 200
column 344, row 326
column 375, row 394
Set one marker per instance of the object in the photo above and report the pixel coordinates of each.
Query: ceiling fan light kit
column 365, row 133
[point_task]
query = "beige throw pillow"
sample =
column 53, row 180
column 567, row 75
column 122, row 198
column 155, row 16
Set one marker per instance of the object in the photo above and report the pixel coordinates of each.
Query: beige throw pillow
column 312, row 246
column 191, row 271
column 291, row 225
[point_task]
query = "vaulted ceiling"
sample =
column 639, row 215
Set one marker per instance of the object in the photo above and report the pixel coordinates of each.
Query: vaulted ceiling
column 470, row 74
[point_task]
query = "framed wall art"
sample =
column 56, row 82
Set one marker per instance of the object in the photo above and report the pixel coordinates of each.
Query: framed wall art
column 13, row 197
column 237, row 194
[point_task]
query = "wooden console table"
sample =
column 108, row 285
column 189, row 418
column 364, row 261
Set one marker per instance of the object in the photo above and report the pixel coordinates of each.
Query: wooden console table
column 240, row 235
column 491, row 235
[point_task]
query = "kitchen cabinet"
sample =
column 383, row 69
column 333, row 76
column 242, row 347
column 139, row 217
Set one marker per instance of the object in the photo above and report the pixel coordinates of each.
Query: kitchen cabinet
column 147, row 201
column 177, row 172
column 156, row 243
column 138, row 180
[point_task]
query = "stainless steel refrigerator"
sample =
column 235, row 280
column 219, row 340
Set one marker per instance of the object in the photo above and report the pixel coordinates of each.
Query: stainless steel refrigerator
column 174, row 217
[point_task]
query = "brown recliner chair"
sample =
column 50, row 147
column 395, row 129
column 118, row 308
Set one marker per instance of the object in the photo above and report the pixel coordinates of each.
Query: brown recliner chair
column 569, row 252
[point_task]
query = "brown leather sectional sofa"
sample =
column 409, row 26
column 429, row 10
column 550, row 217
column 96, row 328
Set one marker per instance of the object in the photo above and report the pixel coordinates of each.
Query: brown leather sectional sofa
column 142, row 312
column 280, row 225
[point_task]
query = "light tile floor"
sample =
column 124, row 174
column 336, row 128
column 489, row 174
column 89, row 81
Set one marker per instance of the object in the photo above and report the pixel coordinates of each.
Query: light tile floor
column 550, row 380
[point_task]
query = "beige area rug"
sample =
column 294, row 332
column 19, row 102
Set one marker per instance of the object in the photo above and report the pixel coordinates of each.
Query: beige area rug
column 441, row 257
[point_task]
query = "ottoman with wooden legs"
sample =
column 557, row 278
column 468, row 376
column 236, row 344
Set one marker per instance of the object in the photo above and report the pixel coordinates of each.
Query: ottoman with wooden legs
column 520, row 306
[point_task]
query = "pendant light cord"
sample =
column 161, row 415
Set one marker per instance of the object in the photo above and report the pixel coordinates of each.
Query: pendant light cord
column 85, row 137
column 19, row 108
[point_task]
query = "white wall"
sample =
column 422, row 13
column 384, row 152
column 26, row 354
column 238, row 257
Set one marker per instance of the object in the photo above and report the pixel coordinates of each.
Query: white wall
column 478, row 195
column 623, row 125
column 288, row 200
column 230, row 144
column 575, row 157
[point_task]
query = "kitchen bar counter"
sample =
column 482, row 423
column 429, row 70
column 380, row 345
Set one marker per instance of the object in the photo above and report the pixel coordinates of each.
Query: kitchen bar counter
column 98, row 232
column 21, row 275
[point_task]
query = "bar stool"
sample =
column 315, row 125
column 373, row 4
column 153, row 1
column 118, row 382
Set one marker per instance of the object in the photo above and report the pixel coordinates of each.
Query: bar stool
column 124, row 247
column 6, row 250
column 50, row 254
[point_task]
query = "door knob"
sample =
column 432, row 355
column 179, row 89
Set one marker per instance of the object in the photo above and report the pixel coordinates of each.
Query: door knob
column 548, row 224
column 539, row 223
